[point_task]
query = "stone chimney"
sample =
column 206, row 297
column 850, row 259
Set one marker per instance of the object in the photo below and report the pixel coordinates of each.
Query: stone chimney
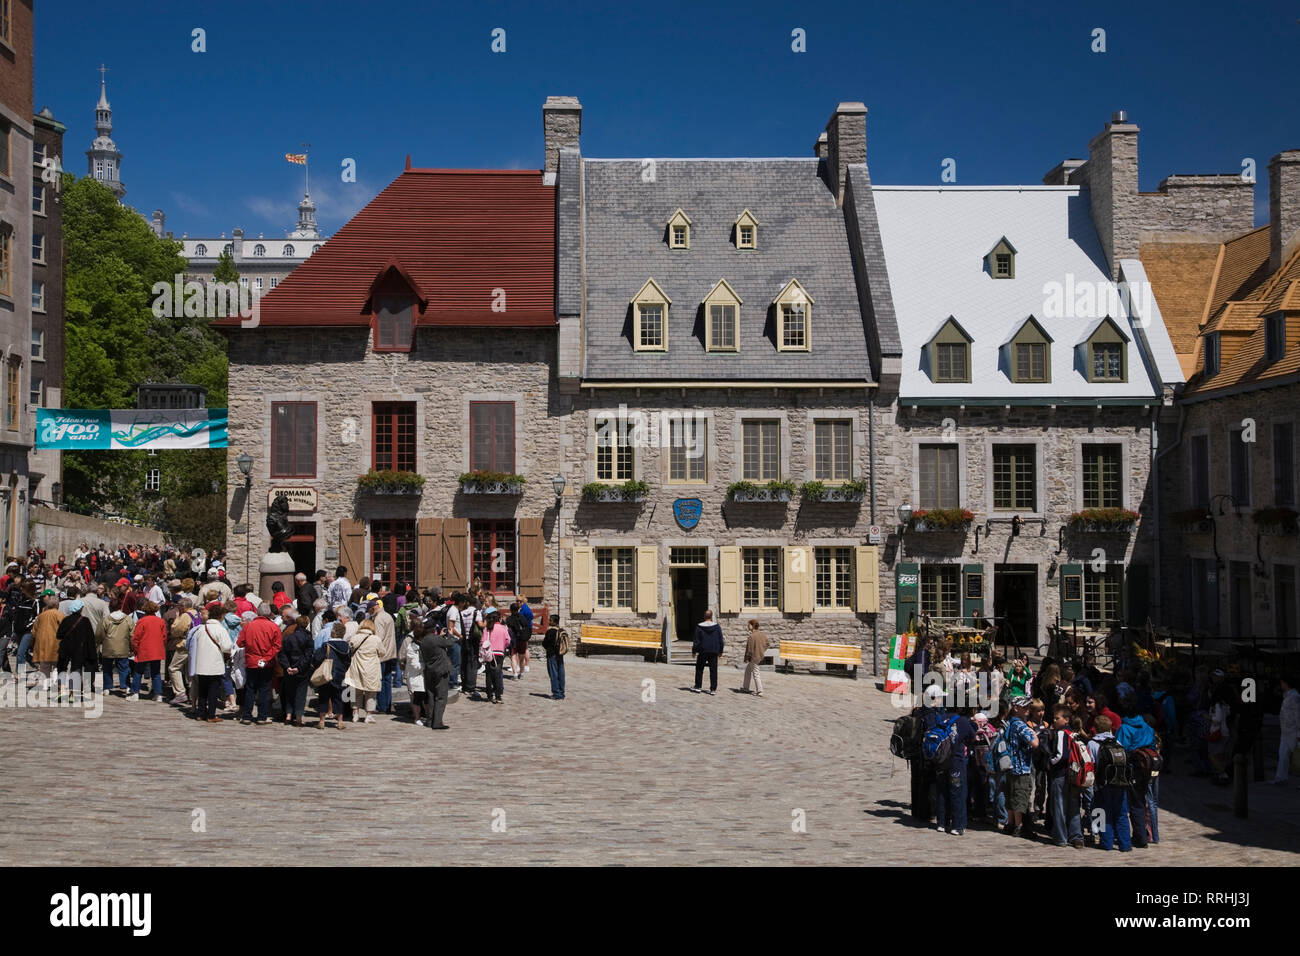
column 561, row 126
column 846, row 144
column 1283, row 205
column 821, row 147
column 237, row 245
column 1067, row 173
column 1113, row 186
column 158, row 223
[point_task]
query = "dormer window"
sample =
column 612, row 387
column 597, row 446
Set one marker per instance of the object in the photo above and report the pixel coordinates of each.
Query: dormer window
column 1105, row 353
column 650, row 318
column 679, row 231
column 1030, row 354
column 259, row 250
column 200, row 250
column 949, row 350
column 746, row 231
column 1211, row 354
column 1001, row 260
column 393, row 318
column 1274, row 336
column 722, row 318
column 287, row 250
column 794, row 318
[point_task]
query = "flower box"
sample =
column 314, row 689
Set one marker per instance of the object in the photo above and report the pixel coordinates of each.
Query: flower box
column 1103, row 520
column 390, row 483
column 491, row 483
column 773, row 491
column 629, row 492
column 815, row 492
column 942, row 519
column 1276, row 520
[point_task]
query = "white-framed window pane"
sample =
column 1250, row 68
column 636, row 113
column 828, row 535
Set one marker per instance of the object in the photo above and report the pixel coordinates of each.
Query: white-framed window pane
column 38, row 390
column 833, row 450
column 153, row 480
column 614, row 451
column 834, row 577
column 38, row 295
column 38, row 199
column 794, row 327
column 687, row 453
column 38, row 247
column 761, row 578
column 722, row 326
column 257, row 283
column 274, row 282
column 761, row 441
column 38, row 343
column 614, row 578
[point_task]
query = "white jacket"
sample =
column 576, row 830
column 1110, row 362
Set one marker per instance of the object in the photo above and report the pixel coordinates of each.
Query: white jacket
column 413, row 666
column 212, row 644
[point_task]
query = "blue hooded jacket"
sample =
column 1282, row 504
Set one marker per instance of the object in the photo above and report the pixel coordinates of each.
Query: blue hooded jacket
column 1135, row 733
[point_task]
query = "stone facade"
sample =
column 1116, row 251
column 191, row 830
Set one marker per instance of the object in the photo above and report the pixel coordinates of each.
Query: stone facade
column 1233, row 594
column 723, row 523
column 48, row 322
column 340, row 372
column 1060, row 436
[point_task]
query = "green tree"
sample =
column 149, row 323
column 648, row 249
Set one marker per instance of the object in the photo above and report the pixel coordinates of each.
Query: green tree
column 116, row 342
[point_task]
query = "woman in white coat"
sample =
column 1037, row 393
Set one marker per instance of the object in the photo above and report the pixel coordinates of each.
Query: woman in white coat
column 413, row 668
column 212, row 645
column 365, row 673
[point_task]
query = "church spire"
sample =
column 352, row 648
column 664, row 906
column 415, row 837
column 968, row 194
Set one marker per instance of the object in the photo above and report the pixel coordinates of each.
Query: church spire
column 103, row 161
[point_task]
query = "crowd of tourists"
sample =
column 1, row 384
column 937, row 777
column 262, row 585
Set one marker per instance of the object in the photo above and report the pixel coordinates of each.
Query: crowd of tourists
column 217, row 651
column 1067, row 752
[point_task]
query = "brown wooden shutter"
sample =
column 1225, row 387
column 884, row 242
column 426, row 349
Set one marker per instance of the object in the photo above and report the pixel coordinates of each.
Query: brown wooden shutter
column 532, row 558
column 428, row 553
column 352, row 547
column 455, row 553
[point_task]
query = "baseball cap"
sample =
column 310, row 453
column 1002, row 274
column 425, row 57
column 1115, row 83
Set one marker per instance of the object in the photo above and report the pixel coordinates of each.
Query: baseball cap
column 1020, row 702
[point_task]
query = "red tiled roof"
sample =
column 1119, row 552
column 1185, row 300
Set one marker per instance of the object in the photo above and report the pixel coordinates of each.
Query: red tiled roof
column 459, row 234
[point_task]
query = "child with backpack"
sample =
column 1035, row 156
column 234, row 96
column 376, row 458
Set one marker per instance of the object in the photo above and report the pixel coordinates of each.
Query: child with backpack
column 1113, row 778
column 1069, row 771
column 1022, row 742
column 946, row 747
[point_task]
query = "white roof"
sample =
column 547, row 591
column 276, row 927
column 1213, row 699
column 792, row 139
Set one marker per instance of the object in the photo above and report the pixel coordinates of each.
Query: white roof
column 1150, row 323
column 935, row 240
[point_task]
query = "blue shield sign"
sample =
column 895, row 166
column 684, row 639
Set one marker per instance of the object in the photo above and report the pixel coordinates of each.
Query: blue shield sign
column 687, row 511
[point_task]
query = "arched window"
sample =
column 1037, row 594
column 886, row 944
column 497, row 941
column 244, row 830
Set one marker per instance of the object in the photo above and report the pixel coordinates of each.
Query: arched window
column 229, row 247
column 315, row 249
column 287, row 250
column 200, row 250
column 259, row 250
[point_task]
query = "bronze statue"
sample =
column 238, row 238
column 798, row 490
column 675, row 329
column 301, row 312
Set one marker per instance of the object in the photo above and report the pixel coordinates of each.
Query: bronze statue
column 277, row 523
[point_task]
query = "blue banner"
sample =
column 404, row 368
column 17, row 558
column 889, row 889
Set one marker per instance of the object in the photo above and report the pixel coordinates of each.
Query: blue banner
column 122, row 429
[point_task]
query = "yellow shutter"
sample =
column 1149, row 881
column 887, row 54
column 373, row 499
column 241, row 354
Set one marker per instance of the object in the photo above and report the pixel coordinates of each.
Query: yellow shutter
column 796, row 584
column 866, row 566
column 580, row 581
column 729, row 580
column 647, row 580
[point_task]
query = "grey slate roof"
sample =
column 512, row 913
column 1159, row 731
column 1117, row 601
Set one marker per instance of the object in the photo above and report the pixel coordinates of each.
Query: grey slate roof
column 568, row 246
column 801, row 235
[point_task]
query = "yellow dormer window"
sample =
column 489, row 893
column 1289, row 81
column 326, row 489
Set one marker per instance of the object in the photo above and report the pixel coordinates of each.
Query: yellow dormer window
column 746, row 231
column 722, row 318
column 650, row 319
column 679, row 231
column 794, row 318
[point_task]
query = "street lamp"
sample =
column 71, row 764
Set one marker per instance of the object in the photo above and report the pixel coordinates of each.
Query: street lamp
column 904, row 516
column 558, row 484
column 245, row 463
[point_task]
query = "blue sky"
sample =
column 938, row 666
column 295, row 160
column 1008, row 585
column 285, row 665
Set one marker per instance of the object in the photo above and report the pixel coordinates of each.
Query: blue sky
column 1007, row 90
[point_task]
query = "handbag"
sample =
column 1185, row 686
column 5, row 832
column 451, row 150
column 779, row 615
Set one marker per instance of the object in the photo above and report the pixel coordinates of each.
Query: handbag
column 324, row 672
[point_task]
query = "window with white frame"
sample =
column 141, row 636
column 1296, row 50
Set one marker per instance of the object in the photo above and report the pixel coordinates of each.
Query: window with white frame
column 259, row 250
column 38, row 199
column 38, row 390
column 38, row 247
column 615, row 459
column 833, row 450
column 761, row 451
column 287, row 250
column 615, row 578
column 200, row 250
column 834, row 581
column 153, row 480
column 38, row 295
column 38, row 343
column 761, row 578
column 688, row 459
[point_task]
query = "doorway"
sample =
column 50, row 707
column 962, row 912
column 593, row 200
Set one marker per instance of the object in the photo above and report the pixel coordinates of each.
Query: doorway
column 690, row 587
column 1015, row 604
column 301, row 545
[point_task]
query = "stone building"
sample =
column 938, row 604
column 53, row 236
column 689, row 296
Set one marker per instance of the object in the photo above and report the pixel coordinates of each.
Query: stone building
column 724, row 327
column 421, row 339
column 16, row 135
column 1229, row 467
column 46, row 388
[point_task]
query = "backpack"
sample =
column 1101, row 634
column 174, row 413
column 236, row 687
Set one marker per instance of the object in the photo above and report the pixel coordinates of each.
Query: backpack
column 1113, row 767
column 1147, row 763
column 561, row 642
column 999, row 757
column 1081, row 770
column 936, row 745
column 437, row 618
column 905, row 741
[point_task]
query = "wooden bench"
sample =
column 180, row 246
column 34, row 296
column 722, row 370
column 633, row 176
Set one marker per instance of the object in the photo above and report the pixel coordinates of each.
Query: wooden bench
column 640, row 638
column 849, row 655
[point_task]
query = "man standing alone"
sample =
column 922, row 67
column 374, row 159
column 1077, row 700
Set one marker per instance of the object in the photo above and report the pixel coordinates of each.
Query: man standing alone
column 755, row 651
column 707, row 646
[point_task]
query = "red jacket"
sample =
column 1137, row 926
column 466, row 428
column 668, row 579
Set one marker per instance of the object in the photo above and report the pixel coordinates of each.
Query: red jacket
column 260, row 639
column 149, row 639
column 242, row 605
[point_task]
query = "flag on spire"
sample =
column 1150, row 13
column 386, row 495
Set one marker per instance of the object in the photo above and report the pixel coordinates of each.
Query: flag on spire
column 299, row 159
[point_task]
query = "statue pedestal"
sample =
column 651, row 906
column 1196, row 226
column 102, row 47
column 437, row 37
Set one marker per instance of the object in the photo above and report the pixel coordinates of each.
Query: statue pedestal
column 275, row 567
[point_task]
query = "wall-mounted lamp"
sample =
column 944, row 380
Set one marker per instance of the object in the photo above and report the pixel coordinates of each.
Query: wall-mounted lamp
column 904, row 516
column 1060, row 540
column 1016, row 522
